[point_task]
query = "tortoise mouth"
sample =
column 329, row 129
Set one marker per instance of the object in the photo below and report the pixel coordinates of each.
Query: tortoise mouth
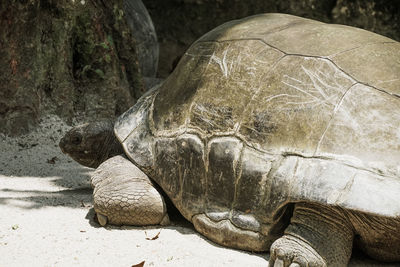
column 84, row 157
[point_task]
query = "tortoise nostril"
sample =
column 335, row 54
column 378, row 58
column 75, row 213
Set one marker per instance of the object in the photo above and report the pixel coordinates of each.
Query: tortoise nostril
column 61, row 144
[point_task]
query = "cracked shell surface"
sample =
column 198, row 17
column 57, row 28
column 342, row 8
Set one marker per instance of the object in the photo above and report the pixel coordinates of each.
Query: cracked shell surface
column 272, row 110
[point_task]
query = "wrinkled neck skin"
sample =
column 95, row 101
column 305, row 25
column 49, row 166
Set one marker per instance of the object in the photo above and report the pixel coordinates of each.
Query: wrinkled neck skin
column 92, row 143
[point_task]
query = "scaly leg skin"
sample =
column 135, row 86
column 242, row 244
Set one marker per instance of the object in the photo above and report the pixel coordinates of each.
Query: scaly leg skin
column 316, row 236
column 377, row 236
column 124, row 195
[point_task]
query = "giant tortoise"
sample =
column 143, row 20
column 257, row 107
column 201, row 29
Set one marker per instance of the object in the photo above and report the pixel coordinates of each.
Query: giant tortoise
column 273, row 132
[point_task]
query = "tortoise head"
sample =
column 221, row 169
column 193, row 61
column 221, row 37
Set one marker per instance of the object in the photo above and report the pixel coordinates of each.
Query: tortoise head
column 91, row 144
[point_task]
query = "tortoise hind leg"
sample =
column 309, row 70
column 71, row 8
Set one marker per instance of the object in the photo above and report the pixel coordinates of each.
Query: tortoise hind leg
column 378, row 237
column 316, row 236
column 124, row 195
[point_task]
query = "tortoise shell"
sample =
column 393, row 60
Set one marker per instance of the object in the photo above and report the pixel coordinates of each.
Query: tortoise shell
column 268, row 111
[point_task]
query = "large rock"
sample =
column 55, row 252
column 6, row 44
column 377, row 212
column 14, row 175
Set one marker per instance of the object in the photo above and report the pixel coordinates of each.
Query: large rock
column 146, row 38
column 70, row 58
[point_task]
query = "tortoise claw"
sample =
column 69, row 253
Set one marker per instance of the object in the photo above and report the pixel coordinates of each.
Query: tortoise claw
column 102, row 219
column 165, row 220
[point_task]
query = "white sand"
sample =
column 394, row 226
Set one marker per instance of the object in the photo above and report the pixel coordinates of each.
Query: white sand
column 46, row 217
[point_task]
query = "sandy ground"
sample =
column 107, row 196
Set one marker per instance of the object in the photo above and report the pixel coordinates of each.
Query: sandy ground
column 47, row 219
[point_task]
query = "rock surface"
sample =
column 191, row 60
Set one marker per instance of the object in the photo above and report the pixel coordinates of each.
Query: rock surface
column 146, row 39
column 74, row 58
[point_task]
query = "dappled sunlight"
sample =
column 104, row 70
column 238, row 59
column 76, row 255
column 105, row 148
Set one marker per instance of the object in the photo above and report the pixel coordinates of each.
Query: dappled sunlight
column 63, row 183
column 35, row 199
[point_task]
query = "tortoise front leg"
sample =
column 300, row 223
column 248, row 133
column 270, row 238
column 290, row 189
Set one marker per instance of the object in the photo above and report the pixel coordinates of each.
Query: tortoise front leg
column 316, row 236
column 124, row 195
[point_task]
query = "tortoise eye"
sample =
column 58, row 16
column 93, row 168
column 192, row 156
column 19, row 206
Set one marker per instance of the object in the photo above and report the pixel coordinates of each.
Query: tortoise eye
column 76, row 138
